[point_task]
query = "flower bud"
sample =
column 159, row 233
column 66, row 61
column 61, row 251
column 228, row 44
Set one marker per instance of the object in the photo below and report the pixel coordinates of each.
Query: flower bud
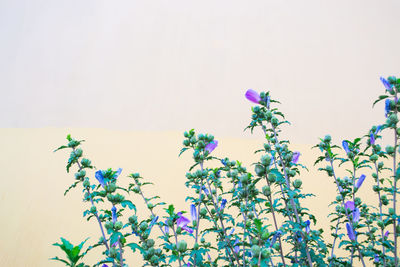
column 202, row 240
column 244, row 179
column 186, row 134
column 271, row 177
column 133, row 219
column 150, row 243
column 380, row 165
column 292, row 173
column 274, row 121
column 80, row 175
column 267, row 147
column 391, row 211
column 143, row 226
column 327, row 138
column 268, row 115
column 265, row 253
column 381, row 224
column 297, row 183
column 186, row 142
column 73, row 143
column 390, row 150
column 266, row 190
column 393, row 118
column 255, row 250
column 196, row 246
column 203, row 212
column 102, row 193
column 384, row 200
column 86, row 183
column 78, row 152
column 150, row 250
column 85, row 162
column 111, row 188
column 118, row 225
column 260, row 170
column 374, row 157
column 339, row 198
column 265, row 235
column 182, row 246
column 108, row 225
column 113, row 252
column 93, row 209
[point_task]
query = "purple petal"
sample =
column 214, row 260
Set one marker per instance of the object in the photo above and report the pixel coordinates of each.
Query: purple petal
column 308, row 226
column 356, row 215
column 99, row 176
column 187, row 229
column 253, row 96
column 386, row 83
column 211, row 146
column 268, row 101
column 295, row 157
column 350, row 232
column 378, row 129
column 166, row 228
column 376, row 258
column 349, row 205
column 360, row 181
column 193, row 212
column 205, row 190
column 372, row 139
column 114, row 214
column 104, row 265
column 117, row 173
column 223, row 204
column 182, row 221
column 387, row 107
column 346, row 146
column 231, row 232
column 386, row 234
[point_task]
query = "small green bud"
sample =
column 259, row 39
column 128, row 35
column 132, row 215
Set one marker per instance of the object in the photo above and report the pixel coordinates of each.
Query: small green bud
column 265, row 235
column 374, row 157
column 297, row 183
column 268, row 115
column 113, row 252
column 274, row 121
column 384, row 200
column 186, row 134
column 375, row 188
column 391, row 211
column 339, row 198
column 327, row 138
column 111, row 188
column 202, row 240
column 266, row 190
column 108, row 225
column 193, row 140
column 393, row 118
column 102, row 193
column 244, row 179
column 133, row 219
column 213, row 211
column 80, row 175
column 143, row 226
column 380, row 165
column 203, row 212
column 256, row 250
column 276, row 246
column 292, row 173
column 78, row 152
column 93, row 209
column 150, row 243
column 271, row 177
column 186, row 142
column 260, row 170
column 118, row 225
column 381, row 224
column 196, row 246
column 182, row 246
column 85, row 162
column 265, row 253
column 267, row 147
column 73, row 143
column 389, row 150
column 86, row 183
column 248, row 224
column 150, row 206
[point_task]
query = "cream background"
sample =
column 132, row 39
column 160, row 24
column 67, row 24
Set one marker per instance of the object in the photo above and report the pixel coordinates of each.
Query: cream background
column 130, row 76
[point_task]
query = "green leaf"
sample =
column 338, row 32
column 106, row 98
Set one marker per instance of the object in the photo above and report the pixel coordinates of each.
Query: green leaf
column 129, row 204
column 183, row 150
column 381, row 97
column 63, row 261
column 72, row 186
column 135, row 246
column 61, row 147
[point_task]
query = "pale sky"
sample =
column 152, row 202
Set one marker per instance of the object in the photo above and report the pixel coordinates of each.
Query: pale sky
column 175, row 65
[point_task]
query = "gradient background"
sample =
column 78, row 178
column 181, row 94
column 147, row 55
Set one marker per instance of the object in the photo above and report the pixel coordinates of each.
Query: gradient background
column 131, row 76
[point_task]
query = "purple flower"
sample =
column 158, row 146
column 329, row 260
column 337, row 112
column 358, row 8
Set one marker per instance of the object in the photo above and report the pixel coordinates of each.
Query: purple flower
column 276, row 235
column 193, row 212
column 376, row 258
column 350, row 232
column 378, row 129
column 223, row 204
column 104, row 265
column 236, row 249
column 231, row 232
column 308, row 226
column 117, row 173
column 182, row 222
column 349, row 205
column 99, row 176
column 295, row 157
column 253, row 96
column 360, row 181
column 346, row 146
column 387, row 107
column 155, row 219
column 386, row 83
column 340, row 189
column 114, row 214
column 205, row 190
column 166, row 228
column 372, row 139
column 386, row 234
column 268, row 101
column 211, row 146
column 356, row 215
column 223, row 162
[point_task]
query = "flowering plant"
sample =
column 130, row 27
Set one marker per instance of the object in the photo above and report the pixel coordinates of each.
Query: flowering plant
column 242, row 217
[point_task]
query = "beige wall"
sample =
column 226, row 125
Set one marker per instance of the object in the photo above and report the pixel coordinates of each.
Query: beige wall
column 130, row 76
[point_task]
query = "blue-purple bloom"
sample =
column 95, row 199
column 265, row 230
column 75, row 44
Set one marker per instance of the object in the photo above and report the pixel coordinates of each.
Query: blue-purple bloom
column 349, row 205
column 114, row 214
column 104, row 265
column 253, row 96
column 376, row 258
column 276, row 235
column 386, row 234
column 372, row 139
column 99, row 176
column 308, row 226
column 211, row 146
column 223, row 204
column 166, row 228
column 360, row 181
column 268, row 101
column 205, row 190
column 231, row 232
column 193, row 212
column 346, row 146
column 117, row 173
column 350, row 232
column 182, row 222
column 387, row 85
column 223, row 162
column 387, row 107
column 236, row 249
column 295, row 157
column 356, row 215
